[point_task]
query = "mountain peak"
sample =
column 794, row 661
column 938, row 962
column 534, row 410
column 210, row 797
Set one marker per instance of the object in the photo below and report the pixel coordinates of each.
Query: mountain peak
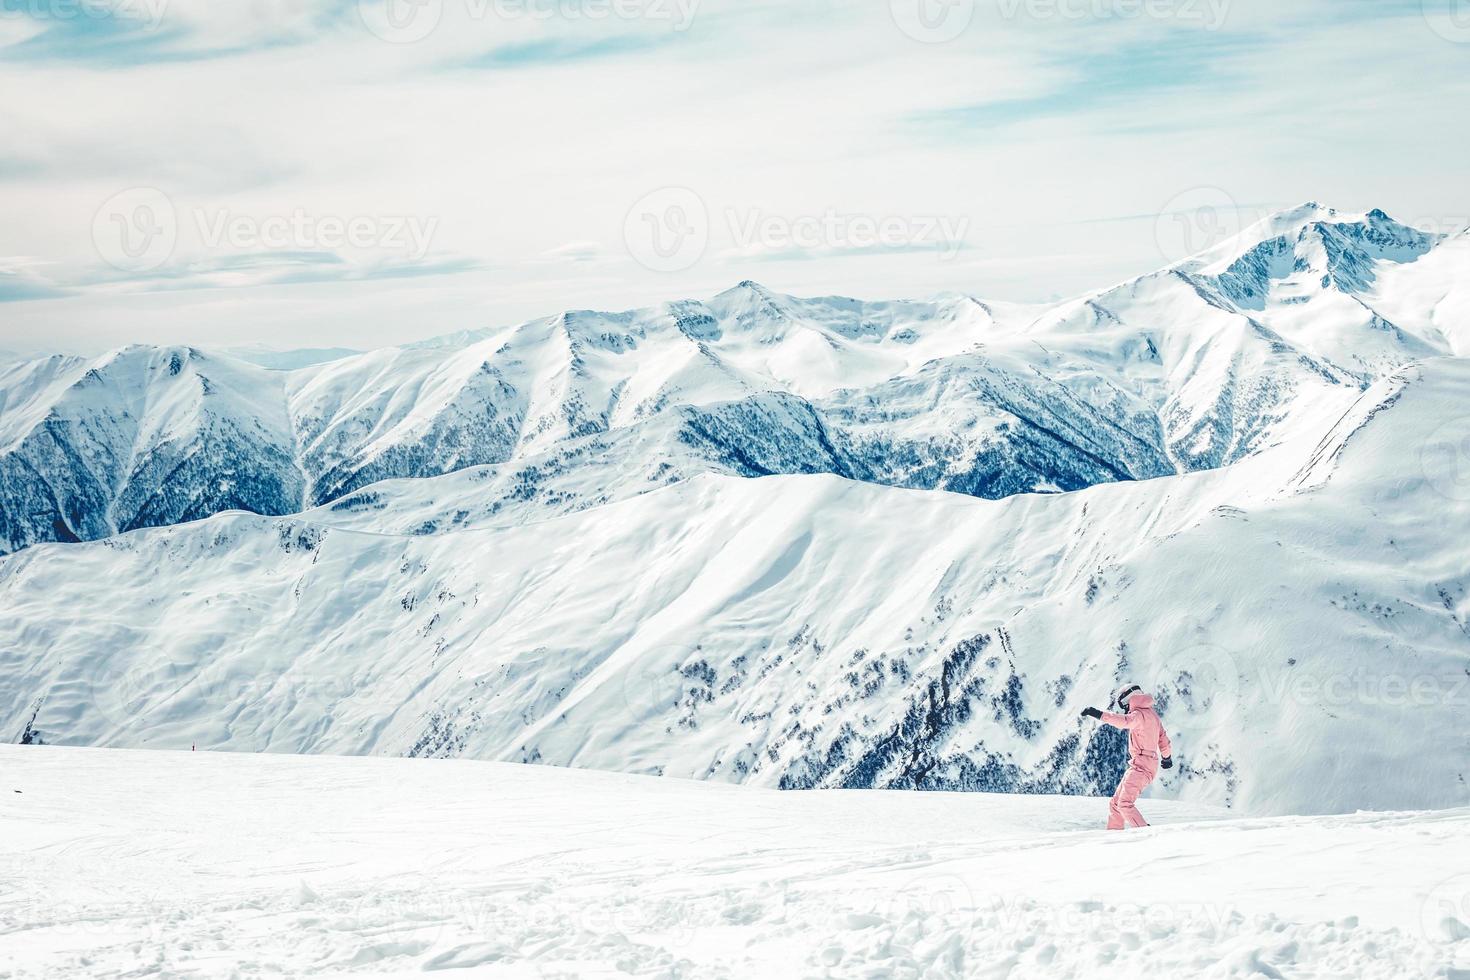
column 748, row 286
column 1301, row 214
column 1289, row 229
column 749, row 303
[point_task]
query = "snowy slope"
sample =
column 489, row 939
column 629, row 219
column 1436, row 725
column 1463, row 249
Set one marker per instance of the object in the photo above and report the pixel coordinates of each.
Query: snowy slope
column 1295, row 612
column 1430, row 297
column 1283, row 316
column 120, row 864
column 1193, row 367
column 139, row 438
column 987, row 426
column 290, row 360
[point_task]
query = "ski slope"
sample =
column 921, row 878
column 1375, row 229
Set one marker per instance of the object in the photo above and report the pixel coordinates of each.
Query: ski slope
column 124, row 864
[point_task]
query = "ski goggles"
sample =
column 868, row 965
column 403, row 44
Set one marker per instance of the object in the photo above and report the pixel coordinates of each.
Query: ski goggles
column 1121, row 701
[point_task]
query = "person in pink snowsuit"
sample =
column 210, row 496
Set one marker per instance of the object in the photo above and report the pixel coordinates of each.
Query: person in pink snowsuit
column 1148, row 750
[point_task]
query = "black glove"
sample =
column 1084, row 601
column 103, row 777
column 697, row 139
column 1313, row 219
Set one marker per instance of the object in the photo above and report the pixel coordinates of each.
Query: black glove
column 1168, row 763
column 1091, row 713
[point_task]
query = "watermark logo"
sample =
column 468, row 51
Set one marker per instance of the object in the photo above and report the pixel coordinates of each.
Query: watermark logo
column 136, row 230
column 147, row 13
column 668, row 230
column 411, row 235
column 1021, row 916
column 933, row 21
column 941, row 898
column 677, row 13
column 1390, row 689
column 940, row 901
column 661, row 681
column 1208, row 681
column 1445, row 917
column 1207, row 14
column 1445, row 460
column 401, row 21
column 1203, row 679
column 1194, row 221
column 428, row 906
column 1438, row 225
column 1450, row 19
column 123, row 694
column 128, row 694
column 757, row 233
column 411, row 21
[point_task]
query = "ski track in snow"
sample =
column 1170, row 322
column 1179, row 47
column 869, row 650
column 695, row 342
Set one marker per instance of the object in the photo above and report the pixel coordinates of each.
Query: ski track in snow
column 124, row 864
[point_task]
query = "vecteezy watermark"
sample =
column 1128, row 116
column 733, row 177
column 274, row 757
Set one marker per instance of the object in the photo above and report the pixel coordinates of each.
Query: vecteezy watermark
column 1445, row 459
column 1203, row 678
column 410, row 21
column 1445, row 917
column 147, row 13
column 1194, row 221
column 1450, row 19
column 669, row 230
column 1439, row 225
column 756, row 232
column 940, row 901
column 428, row 907
column 663, row 681
column 97, row 912
column 1024, row 916
column 678, row 14
column 125, row 693
column 1373, row 689
column 401, row 21
column 138, row 229
column 1206, row 680
column 933, row 21
column 445, row 907
column 1209, row 14
column 412, row 235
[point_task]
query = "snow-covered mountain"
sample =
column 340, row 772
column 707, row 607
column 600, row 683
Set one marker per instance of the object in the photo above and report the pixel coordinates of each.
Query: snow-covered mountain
column 1262, row 444
column 1189, row 368
column 138, row 438
column 813, row 631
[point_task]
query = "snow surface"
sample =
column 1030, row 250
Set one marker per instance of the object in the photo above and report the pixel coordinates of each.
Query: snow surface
column 125, row 864
column 290, row 360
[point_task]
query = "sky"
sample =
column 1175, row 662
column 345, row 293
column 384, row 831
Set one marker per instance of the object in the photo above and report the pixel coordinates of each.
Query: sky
column 359, row 173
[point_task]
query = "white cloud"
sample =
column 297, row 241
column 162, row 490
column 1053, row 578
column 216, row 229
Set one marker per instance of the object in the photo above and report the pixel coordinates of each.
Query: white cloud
column 14, row 30
column 1025, row 128
column 575, row 252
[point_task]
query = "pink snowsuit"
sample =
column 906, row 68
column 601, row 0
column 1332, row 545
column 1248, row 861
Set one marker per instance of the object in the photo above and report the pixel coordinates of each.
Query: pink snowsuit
column 1147, row 743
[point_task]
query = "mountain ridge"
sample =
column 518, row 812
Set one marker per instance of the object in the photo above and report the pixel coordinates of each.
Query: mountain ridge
column 809, row 631
column 1222, row 380
column 785, row 542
